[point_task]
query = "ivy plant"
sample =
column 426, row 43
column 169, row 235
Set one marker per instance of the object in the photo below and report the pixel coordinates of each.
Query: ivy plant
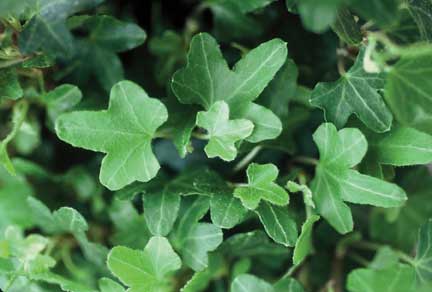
column 215, row 145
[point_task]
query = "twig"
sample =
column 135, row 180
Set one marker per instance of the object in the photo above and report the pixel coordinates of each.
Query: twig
column 247, row 159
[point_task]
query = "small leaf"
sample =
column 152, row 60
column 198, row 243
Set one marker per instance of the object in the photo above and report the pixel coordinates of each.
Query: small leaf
column 347, row 28
column 261, row 186
column 355, row 92
column 277, row 223
column 303, row 246
column 124, row 132
column 223, row 133
column 160, row 211
column 294, row 187
column 250, row 283
column 288, row 285
column 318, row 16
column 146, row 270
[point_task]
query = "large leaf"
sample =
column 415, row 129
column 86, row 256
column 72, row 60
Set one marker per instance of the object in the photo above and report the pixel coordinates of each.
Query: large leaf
column 335, row 182
column 421, row 10
column 355, row 92
column 124, row 132
column 160, row 211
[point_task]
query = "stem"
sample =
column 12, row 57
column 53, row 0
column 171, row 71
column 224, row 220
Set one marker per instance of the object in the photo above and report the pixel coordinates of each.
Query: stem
column 375, row 246
column 358, row 258
column 201, row 136
column 306, row 160
column 247, row 159
column 290, row 271
column 19, row 114
column 10, row 63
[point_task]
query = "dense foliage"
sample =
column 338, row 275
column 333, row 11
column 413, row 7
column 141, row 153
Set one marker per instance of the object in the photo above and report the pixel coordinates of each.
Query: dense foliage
column 215, row 145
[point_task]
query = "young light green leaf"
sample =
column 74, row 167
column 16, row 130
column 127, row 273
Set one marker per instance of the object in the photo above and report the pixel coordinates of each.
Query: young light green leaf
column 355, row 92
column 146, row 270
column 277, row 223
column 303, row 246
column 61, row 99
column 250, row 283
column 124, row 132
column 335, row 183
column 160, row 211
column 9, row 84
column 223, row 133
column 108, row 285
column 294, row 187
column 408, row 91
column 226, row 211
column 201, row 239
column 19, row 113
column 260, row 186
column 69, row 220
column 399, row 278
column 423, row 259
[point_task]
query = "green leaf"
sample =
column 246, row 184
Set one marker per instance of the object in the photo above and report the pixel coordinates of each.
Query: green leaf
column 130, row 227
column 19, row 113
column 108, row 285
column 14, row 7
column 146, row 270
column 124, row 132
column 408, row 91
column 261, row 186
column 223, row 133
column 347, row 28
column 226, row 211
column 335, row 183
column 201, row 280
column 382, row 12
column 288, row 285
column 421, row 11
column 277, row 223
column 69, row 220
column 402, row 146
column 303, row 246
column 214, row 81
column 423, row 258
column 61, row 99
column 207, row 77
column 160, row 211
column 318, row 16
column 252, row 243
column 10, row 87
column 250, row 283
column 385, row 257
column 399, row 278
column 65, row 284
column 113, row 34
column 355, row 92
column 201, row 239
column 399, row 231
column 47, row 30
